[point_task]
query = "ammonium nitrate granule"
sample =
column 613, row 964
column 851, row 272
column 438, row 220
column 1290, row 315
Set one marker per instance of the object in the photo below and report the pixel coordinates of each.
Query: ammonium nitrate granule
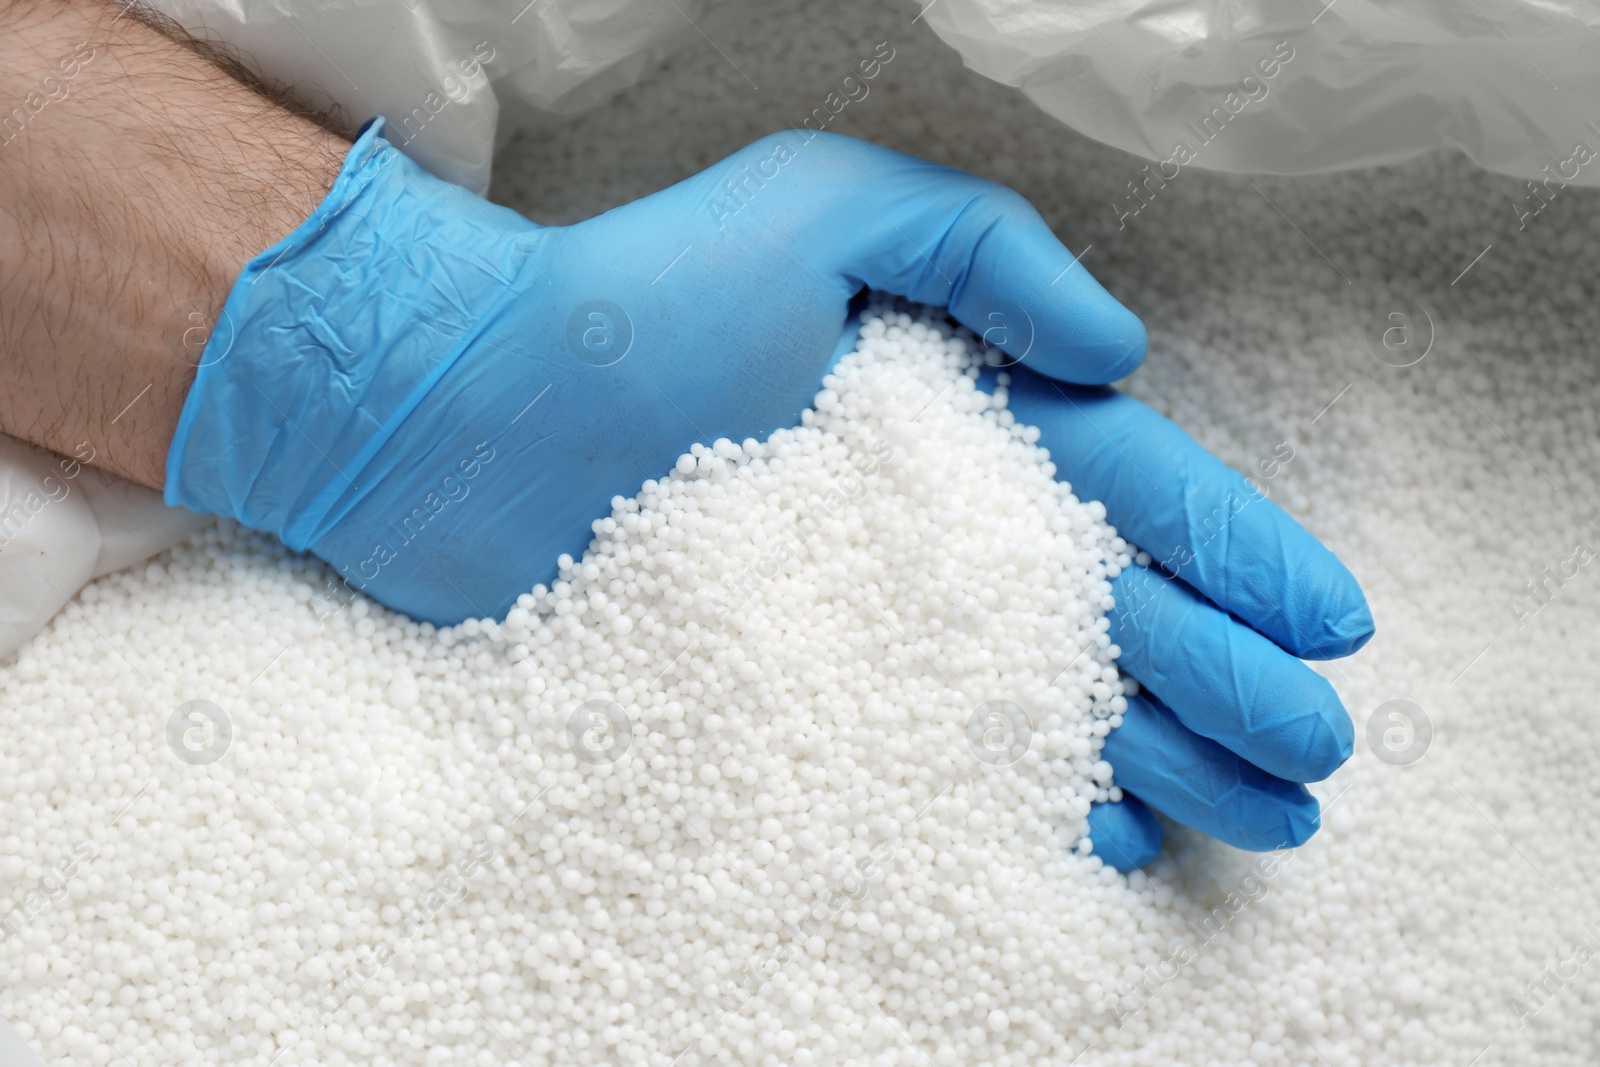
column 791, row 768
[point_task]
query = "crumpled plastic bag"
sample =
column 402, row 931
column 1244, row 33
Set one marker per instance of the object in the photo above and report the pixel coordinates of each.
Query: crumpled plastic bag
column 14, row 1052
column 1515, row 84
column 448, row 73
column 62, row 524
column 1512, row 83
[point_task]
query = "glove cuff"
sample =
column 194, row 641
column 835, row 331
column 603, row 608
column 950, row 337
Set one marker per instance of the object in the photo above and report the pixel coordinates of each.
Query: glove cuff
column 331, row 337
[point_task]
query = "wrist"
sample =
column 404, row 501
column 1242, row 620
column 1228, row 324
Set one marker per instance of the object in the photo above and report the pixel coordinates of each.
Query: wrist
column 334, row 337
column 143, row 179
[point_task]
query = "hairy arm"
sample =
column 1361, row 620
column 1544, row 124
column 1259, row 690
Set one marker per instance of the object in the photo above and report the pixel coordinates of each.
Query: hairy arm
column 139, row 172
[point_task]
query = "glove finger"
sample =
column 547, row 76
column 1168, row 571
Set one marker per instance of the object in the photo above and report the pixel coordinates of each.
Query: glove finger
column 939, row 236
column 1226, row 682
column 1200, row 520
column 1197, row 782
column 1125, row 833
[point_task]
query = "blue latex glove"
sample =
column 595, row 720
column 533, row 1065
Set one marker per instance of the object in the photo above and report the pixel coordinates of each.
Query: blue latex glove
column 1230, row 721
column 438, row 396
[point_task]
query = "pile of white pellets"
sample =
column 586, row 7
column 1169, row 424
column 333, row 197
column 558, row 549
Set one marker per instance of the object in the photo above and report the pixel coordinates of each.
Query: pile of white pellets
column 379, row 796
column 769, row 756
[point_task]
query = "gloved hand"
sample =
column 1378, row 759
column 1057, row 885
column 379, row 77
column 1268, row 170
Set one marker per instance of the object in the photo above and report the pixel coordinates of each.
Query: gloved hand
column 1230, row 721
column 438, row 396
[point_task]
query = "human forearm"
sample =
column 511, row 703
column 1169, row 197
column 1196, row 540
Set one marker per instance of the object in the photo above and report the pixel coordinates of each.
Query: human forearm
column 136, row 180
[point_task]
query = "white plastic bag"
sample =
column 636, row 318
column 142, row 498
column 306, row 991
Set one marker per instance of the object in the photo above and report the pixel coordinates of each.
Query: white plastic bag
column 63, row 523
column 442, row 71
column 1515, row 84
column 14, row 1052
column 1512, row 83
